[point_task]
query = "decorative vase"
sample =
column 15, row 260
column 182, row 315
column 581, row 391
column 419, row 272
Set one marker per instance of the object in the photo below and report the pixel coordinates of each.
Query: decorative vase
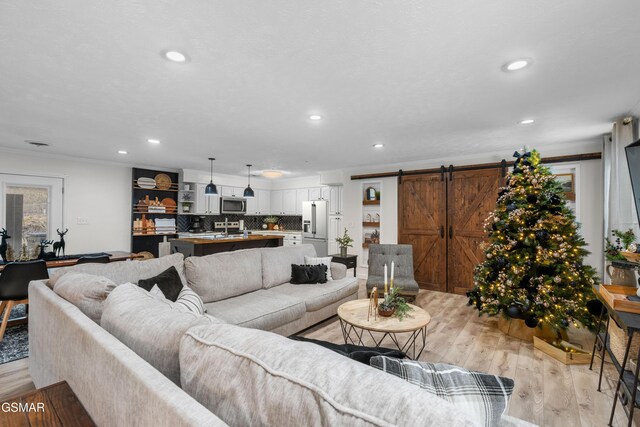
column 343, row 251
column 271, row 226
column 386, row 313
column 621, row 276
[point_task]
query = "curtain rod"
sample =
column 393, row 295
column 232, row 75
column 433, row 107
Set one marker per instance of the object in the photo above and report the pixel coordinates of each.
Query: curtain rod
column 556, row 159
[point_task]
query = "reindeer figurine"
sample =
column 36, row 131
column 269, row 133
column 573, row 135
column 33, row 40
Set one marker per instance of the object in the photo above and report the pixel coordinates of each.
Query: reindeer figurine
column 43, row 244
column 3, row 244
column 57, row 246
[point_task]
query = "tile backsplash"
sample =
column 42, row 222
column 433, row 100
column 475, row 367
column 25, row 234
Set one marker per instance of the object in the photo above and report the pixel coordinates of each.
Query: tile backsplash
column 251, row 222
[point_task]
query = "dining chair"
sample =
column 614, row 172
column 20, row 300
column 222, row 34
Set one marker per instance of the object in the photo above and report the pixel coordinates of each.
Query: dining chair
column 100, row 259
column 14, row 286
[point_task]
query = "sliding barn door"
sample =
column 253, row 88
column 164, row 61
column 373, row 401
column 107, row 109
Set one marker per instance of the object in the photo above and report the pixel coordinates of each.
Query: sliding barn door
column 443, row 216
column 422, row 223
column 471, row 196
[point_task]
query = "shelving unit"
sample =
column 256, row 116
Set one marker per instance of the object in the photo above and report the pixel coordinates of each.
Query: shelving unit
column 371, row 219
column 148, row 241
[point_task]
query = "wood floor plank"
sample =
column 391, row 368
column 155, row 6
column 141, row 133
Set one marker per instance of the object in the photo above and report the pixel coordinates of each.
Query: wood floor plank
column 560, row 404
column 505, row 358
column 527, row 400
column 15, row 379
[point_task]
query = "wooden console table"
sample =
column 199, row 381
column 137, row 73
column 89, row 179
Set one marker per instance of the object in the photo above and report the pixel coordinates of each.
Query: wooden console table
column 627, row 380
column 115, row 256
column 54, row 405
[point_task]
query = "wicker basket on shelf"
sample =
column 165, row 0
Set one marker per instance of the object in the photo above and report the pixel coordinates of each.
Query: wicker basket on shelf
column 618, row 342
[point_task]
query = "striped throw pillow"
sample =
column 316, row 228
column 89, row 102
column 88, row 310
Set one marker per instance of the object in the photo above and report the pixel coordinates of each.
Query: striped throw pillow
column 188, row 300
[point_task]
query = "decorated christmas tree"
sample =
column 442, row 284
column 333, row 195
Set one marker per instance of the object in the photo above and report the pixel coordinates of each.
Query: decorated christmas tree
column 534, row 260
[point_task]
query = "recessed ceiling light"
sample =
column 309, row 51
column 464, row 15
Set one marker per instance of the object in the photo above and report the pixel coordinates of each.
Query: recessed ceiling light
column 378, row 145
column 153, row 141
column 175, row 56
column 315, row 117
column 272, row 174
column 527, row 121
column 516, row 65
column 122, row 152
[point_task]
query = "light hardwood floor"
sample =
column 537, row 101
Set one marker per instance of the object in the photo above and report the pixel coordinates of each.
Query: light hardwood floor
column 546, row 392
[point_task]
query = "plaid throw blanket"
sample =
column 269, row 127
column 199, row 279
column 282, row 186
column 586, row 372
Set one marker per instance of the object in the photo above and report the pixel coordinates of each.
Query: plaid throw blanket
column 484, row 397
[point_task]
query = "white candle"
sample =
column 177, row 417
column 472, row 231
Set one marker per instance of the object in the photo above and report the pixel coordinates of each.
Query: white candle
column 392, row 265
column 385, row 278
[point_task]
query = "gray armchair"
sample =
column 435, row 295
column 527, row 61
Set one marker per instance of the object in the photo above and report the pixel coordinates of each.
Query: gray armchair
column 402, row 256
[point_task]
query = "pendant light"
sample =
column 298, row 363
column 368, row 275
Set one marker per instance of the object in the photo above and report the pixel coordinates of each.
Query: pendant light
column 211, row 189
column 248, row 192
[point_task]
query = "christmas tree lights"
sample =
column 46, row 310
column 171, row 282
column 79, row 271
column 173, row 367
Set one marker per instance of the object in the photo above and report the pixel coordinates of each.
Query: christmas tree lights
column 534, row 260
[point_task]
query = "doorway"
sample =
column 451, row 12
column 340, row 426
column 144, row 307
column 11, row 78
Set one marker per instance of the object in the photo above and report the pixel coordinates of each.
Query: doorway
column 442, row 216
column 30, row 211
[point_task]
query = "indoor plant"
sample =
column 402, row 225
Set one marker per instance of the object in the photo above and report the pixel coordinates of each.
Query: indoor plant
column 392, row 304
column 623, row 240
column 344, row 242
column 271, row 221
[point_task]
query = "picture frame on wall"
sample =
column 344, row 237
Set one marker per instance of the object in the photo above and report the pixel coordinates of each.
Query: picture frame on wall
column 567, row 182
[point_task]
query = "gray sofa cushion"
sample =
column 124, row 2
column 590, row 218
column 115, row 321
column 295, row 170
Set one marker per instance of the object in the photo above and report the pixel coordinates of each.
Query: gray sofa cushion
column 260, row 378
column 263, row 309
column 86, row 291
column 318, row 296
column 224, row 275
column 149, row 325
column 126, row 271
column 276, row 263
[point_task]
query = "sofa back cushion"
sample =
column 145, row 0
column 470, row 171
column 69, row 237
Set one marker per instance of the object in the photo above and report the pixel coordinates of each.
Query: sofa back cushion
column 276, row 263
column 126, row 271
column 224, row 275
column 252, row 377
column 149, row 325
column 86, row 291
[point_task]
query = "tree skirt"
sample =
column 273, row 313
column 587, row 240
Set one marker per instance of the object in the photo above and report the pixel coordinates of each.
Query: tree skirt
column 15, row 344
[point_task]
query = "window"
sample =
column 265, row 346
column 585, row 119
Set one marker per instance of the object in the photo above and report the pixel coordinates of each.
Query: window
column 31, row 211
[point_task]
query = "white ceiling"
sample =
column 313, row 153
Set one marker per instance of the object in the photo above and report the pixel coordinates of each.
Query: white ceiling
column 423, row 77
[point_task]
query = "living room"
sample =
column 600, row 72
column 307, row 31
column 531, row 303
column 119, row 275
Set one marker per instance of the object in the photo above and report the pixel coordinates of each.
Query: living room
column 402, row 120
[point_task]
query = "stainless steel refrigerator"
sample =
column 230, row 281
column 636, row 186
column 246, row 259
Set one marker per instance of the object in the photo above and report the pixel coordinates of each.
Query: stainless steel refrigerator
column 315, row 229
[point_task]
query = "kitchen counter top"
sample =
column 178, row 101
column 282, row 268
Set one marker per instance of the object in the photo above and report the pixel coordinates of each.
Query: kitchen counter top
column 209, row 241
column 199, row 246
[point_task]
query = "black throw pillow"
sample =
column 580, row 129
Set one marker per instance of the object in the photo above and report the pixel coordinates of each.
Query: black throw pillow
column 356, row 352
column 306, row 274
column 168, row 281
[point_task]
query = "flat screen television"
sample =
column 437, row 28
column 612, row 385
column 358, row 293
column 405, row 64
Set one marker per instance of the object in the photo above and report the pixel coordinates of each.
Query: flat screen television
column 633, row 160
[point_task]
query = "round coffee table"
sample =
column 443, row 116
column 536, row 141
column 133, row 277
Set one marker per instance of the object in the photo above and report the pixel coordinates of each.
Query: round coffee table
column 356, row 322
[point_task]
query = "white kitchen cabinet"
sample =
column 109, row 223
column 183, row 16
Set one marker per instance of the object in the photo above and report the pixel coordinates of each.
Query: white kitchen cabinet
column 264, row 201
column 335, row 230
column 335, row 200
column 325, row 193
column 259, row 204
column 315, row 193
column 276, row 202
column 229, row 191
column 205, row 205
column 289, row 202
column 302, row 195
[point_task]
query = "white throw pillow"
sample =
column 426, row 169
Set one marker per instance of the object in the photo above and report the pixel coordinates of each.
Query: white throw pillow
column 86, row 291
column 312, row 260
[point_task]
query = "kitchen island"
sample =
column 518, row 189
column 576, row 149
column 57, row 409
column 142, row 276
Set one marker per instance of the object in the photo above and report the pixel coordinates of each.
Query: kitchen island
column 199, row 246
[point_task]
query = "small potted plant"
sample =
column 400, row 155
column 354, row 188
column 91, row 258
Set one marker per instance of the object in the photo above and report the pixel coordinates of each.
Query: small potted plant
column 271, row 221
column 613, row 252
column 345, row 241
column 393, row 304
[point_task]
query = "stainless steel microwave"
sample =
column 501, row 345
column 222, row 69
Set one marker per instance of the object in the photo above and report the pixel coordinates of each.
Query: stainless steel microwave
column 233, row 205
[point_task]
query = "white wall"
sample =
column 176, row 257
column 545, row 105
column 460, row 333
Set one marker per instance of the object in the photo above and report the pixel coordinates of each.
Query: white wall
column 96, row 191
column 590, row 189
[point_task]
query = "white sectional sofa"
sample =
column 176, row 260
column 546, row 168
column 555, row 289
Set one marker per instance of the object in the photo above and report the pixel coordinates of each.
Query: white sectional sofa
column 146, row 364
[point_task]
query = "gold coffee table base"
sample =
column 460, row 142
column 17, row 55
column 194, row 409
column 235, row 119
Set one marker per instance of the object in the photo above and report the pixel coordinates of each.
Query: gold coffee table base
column 356, row 325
